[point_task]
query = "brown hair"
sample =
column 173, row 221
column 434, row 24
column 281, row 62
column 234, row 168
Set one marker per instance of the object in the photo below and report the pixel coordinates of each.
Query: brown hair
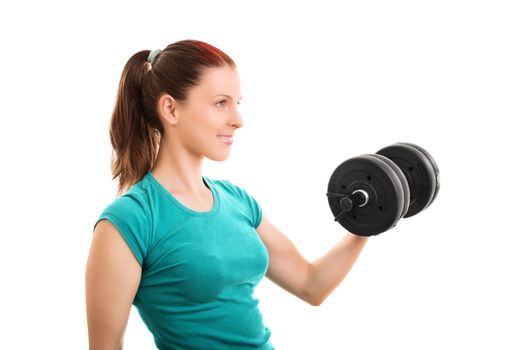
column 135, row 128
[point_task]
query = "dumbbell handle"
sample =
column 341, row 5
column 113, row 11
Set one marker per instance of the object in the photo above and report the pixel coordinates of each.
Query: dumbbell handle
column 348, row 202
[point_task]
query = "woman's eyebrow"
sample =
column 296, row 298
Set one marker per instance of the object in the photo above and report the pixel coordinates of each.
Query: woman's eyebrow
column 226, row 95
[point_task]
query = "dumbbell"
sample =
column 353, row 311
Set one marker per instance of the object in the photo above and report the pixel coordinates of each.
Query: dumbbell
column 368, row 194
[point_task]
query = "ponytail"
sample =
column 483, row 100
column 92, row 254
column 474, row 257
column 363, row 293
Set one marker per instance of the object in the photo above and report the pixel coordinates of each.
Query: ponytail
column 135, row 142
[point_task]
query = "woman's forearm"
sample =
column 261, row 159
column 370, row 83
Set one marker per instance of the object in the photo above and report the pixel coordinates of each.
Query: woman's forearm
column 327, row 272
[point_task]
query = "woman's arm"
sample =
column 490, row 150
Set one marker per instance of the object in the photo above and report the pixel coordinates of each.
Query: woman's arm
column 312, row 282
column 112, row 279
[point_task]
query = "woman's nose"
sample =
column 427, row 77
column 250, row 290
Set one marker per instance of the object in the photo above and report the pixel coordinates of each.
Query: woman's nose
column 237, row 119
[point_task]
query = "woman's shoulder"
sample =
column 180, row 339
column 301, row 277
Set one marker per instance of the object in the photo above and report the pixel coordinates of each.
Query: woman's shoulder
column 135, row 202
column 129, row 202
column 244, row 198
column 229, row 187
column 130, row 213
column 235, row 190
column 225, row 184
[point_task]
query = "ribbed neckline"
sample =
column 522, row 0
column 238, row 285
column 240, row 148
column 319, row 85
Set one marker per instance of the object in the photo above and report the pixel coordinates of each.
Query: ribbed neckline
column 216, row 199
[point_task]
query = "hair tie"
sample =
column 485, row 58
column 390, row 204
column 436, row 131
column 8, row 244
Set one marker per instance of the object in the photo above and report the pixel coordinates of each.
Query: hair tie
column 152, row 55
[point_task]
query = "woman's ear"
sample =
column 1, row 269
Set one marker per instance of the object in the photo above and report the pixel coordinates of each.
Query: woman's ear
column 167, row 109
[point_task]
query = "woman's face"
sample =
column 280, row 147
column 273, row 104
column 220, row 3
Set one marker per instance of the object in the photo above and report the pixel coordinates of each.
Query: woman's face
column 210, row 110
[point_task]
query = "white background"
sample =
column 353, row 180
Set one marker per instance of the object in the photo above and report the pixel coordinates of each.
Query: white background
column 322, row 82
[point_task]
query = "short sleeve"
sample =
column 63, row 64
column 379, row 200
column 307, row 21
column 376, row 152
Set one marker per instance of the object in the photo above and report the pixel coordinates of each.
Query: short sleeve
column 252, row 206
column 129, row 216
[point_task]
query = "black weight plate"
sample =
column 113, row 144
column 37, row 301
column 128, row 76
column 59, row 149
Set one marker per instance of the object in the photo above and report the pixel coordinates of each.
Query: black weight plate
column 418, row 172
column 385, row 192
column 434, row 165
column 402, row 180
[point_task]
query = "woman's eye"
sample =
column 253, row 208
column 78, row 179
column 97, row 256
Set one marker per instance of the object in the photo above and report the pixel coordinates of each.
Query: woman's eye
column 220, row 103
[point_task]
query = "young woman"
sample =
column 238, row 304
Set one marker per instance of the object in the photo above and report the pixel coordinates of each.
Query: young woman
column 185, row 249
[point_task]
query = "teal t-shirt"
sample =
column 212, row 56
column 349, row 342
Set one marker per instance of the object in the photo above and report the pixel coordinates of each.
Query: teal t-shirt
column 199, row 269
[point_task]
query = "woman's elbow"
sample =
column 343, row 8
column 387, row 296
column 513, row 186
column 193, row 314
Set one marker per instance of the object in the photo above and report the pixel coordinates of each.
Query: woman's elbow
column 312, row 299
